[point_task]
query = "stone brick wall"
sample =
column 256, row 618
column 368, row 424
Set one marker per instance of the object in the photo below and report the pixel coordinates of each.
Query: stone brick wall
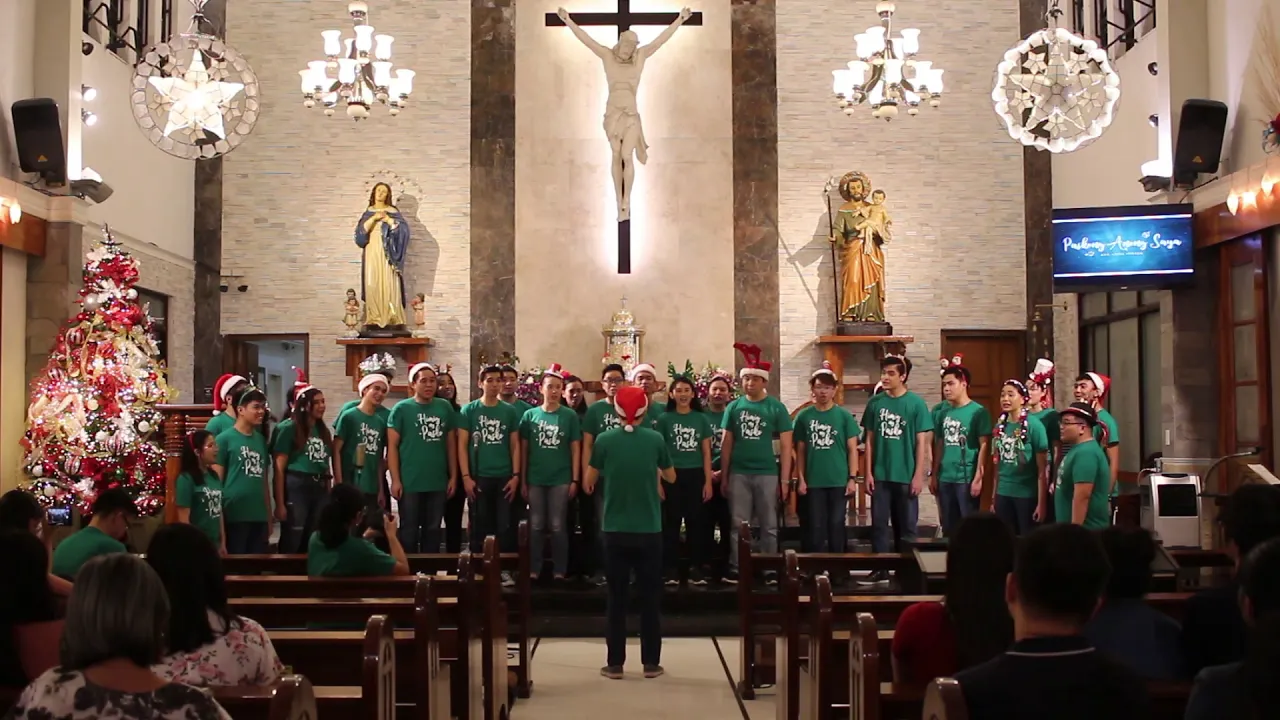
column 953, row 177
column 293, row 193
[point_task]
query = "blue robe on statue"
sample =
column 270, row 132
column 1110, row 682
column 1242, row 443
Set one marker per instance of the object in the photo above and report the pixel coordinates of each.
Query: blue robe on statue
column 395, row 241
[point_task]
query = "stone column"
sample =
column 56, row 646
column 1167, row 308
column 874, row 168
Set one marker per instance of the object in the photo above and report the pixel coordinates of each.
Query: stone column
column 207, row 254
column 53, row 283
column 1037, row 193
column 1189, row 360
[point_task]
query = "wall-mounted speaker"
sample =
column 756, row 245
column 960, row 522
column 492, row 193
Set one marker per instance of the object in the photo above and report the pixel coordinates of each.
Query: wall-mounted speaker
column 39, row 134
column 1198, row 148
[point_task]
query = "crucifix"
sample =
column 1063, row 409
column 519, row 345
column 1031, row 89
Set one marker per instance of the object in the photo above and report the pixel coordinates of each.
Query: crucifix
column 623, row 64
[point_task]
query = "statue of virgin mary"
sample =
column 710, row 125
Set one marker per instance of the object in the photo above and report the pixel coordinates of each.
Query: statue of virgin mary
column 382, row 265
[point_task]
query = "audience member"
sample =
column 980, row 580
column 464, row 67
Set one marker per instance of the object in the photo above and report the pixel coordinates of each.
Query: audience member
column 207, row 644
column 1247, row 690
column 1126, row 627
column 972, row 624
column 115, row 626
column 335, row 550
column 22, row 512
column 1213, row 630
column 104, row 534
column 1052, row 672
column 30, row 627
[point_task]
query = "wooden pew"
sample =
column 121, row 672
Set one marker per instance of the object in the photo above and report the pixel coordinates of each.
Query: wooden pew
column 759, row 607
column 944, row 700
column 291, row 698
column 519, row 599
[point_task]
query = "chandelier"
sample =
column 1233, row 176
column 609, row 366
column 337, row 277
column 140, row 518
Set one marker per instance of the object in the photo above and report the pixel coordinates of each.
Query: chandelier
column 887, row 74
column 1056, row 90
column 364, row 73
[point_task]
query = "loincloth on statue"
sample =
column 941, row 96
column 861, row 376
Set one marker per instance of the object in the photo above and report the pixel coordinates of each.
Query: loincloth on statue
column 618, row 122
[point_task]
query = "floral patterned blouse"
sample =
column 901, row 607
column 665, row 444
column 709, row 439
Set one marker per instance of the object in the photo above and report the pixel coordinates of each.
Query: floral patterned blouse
column 240, row 655
column 71, row 696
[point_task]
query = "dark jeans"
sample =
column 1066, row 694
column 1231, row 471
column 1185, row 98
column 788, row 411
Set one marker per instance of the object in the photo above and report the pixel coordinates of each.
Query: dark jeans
column 491, row 514
column 640, row 553
column 453, row 509
column 1018, row 512
column 304, row 496
column 597, row 502
column 954, row 504
column 420, row 517
column 684, row 503
column 716, row 515
column 584, row 550
column 519, row 511
column 892, row 502
column 248, row 538
column 828, row 512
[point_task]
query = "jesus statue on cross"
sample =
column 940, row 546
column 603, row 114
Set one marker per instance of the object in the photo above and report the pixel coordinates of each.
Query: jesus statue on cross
column 623, row 64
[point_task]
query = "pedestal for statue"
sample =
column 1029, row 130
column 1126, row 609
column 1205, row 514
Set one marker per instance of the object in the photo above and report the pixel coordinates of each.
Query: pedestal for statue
column 852, row 328
column 833, row 351
column 410, row 350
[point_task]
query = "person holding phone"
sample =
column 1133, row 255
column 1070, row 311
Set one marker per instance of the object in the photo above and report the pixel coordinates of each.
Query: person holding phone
column 20, row 511
column 105, row 534
column 336, row 551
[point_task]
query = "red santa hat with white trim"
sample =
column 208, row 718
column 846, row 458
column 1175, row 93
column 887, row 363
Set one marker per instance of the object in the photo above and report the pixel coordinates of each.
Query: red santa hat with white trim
column 555, row 370
column 413, row 371
column 1100, row 381
column 631, row 403
column 222, row 389
column 370, row 379
column 751, row 362
column 300, row 385
column 826, row 369
column 642, row 367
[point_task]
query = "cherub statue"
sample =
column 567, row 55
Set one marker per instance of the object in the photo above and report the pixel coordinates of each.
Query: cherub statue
column 419, row 305
column 351, row 318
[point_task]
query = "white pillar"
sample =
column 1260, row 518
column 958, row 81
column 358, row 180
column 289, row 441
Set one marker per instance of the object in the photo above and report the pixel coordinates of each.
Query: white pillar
column 57, row 70
column 1181, row 30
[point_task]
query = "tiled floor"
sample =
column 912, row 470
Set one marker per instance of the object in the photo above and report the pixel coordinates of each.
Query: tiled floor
column 568, row 683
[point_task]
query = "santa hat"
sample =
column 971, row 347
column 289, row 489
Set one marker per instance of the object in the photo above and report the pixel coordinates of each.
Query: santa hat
column 1100, row 381
column 955, row 361
column 222, row 389
column 555, row 370
column 631, row 403
column 370, row 379
column 1043, row 373
column 413, row 371
column 824, row 370
column 642, row 367
column 301, row 386
column 751, row 362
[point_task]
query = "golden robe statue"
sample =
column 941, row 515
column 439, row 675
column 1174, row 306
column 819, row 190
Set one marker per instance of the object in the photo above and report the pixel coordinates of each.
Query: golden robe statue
column 384, row 236
column 860, row 229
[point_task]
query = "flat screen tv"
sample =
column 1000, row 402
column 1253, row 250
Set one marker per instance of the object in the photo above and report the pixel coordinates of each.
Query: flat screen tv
column 1122, row 248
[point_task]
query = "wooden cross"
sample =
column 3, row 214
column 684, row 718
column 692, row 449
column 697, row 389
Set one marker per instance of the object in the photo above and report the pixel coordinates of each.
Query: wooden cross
column 623, row 19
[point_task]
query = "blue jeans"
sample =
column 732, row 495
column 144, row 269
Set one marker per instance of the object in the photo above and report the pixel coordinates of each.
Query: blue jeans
column 420, row 516
column 954, row 504
column 641, row 554
column 828, row 512
column 304, row 496
column 248, row 538
column 893, row 502
column 491, row 514
column 1018, row 512
column 548, row 510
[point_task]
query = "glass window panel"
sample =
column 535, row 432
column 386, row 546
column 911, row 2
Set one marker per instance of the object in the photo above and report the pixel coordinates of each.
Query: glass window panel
column 1247, row 431
column 1125, row 400
column 1150, row 297
column 1245, row 350
column 1093, row 305
column 1242, row 293
column 1152, row 406
column 157, row 306
column 1124, row 301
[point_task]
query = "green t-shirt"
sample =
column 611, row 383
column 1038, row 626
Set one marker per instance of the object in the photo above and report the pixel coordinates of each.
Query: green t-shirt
column 600, row 418
column 631, row 461
column 490, row 429
column 753, row 425
column 205, row 502
column 521, row 406
column 425, row 430
column 960, row 430
column 826, row 435
column 1049, row 419
column 1085, row 463
column 223, row 422
column 653, row 415
column 896, row 423
column 244, row 459
column 1107, row 426
column 1016, row 466
column 315, row 456
column 364, row 437
column 684, row 435
column 550, row 437
column 717, row 434
column 355, row 557
column 81, row 547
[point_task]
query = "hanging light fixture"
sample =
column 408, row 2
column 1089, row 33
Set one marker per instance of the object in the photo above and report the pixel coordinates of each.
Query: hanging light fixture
column 887, row 74
column 1056, row 90
column 363, row 67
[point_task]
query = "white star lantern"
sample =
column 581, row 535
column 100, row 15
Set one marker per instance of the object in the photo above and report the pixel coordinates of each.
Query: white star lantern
column 1056, row 90
column 196, row 101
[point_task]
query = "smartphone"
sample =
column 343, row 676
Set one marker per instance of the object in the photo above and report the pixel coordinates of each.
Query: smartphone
column 60, row 517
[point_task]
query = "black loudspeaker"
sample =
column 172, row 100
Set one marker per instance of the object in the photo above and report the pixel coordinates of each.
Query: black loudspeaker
column 1198, row 148
column 39, row 134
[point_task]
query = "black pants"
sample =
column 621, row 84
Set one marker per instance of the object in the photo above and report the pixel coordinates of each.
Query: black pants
column 716, row 515
column 584, row 544
column 453, row 510
column 519, row 511
column 684, row 503
column 827, row 512
column 491, row 515
column 640, row 553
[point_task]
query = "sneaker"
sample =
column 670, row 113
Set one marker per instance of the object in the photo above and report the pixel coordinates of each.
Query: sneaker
column 672, row 580
column 653, row 671
column 731, row 576
column 507, row 580
column 770, row 577
column 879, row 577
column 696, row 577
column 613, row 672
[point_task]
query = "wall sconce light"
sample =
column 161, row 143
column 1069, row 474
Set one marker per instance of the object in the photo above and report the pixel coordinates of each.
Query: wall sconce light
column 89, row 118
column 1233, row 203
column 15, row 210
column 88, row 93
column 1249, row 198
column 1268, row 183
column 1153, row 120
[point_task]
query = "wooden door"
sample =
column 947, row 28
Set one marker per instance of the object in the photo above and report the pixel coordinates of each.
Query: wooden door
column 992, row 356
column 240, row 357
column 1244, row 358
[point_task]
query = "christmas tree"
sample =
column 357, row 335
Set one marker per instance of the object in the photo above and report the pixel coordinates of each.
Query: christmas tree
column 93, row 408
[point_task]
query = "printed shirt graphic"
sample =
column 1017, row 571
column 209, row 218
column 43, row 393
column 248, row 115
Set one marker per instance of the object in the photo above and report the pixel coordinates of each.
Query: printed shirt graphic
column 826, row 434
column 424, row 435
column 896, row 422
column 631, row 461
column 550, row 437
column 312, row 459
column 717, row 435
column 490, row 429
column 245, row 460
column 600, row 418
column 205, row 502
column 1017, row 466
column 960, row 430
column 364, row 438
column 753, row 425
column 1085, row 463
column 684, row 435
